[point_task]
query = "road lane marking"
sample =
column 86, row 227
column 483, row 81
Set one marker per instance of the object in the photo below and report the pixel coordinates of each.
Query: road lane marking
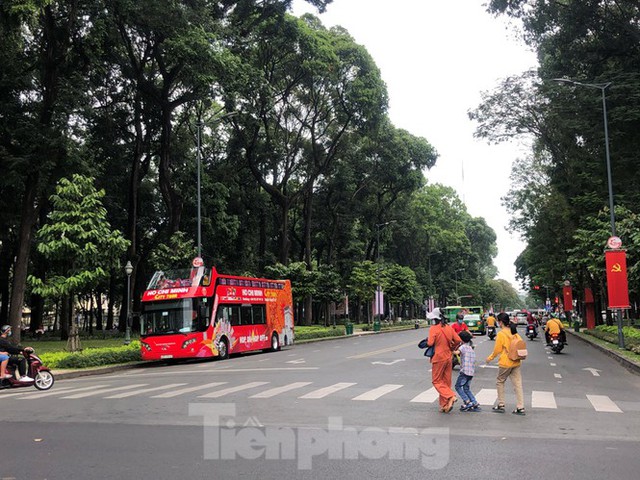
column 61, row 391
column 428, row 396
column 278, row 390
column 226, row 391
column 376, row 393
column 104, row 390
column 557, row 375
column 182, row 391
column 383, row 350
column 602, row 403
column 487, row 396
column 324, row 392
column 220, row 370
column 145, row 390
column 543, row 399
column 552, row 364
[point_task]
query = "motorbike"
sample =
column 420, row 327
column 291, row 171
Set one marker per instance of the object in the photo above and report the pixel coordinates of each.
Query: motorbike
column 42, row 376
column 491, row 332
column 532, row 332
column 556, row 343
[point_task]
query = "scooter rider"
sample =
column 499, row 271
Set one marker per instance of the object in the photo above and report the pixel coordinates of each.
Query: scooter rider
column 554, row 326
column 532, row 321
column 16, row 354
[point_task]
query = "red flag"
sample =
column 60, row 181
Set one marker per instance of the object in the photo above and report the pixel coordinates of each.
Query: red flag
column 617, row 283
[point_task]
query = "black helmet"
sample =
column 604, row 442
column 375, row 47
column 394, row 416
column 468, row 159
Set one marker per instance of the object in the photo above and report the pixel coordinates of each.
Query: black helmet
column 460, row 316
column 4, row 329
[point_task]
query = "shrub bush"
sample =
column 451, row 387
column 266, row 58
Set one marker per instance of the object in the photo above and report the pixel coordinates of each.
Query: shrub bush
column 609, row 333
column 93, row 357
column 308, row 333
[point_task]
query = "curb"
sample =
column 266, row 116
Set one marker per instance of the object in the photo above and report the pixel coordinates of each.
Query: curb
column 630, row 365
column 64, row 374
column 353, row 335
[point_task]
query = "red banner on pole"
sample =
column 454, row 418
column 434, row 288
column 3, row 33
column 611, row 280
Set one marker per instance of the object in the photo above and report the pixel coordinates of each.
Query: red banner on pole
column 617, row 283
column 567, row 295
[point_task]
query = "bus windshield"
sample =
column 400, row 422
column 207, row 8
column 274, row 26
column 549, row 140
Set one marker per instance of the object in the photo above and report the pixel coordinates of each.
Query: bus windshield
column 177, row 316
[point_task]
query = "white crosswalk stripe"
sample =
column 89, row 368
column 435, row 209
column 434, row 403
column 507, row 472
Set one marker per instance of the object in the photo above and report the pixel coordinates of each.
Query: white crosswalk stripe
column 543, row 400
column 278, row 390
column 145, row 390
column 324, row 392
column 59, row 391
column 227, row 391
column 487, row 396
column 602, row 403
column 376, row 393
column 182, row 391
column 104, row 390
column 428, row 396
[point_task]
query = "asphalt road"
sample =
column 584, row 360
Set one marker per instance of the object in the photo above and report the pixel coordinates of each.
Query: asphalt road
column 360, row 407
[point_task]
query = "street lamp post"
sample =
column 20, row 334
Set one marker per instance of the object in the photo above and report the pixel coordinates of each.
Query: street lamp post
column 128, row 270
column 602, row 87
column 378, row 286
column 456, row 275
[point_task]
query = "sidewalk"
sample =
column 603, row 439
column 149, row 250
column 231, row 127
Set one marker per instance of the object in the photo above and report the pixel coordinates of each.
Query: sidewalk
column 612, row 351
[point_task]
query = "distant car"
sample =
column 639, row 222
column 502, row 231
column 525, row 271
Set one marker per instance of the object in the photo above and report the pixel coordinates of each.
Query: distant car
column 475, row 323
column 521, row 318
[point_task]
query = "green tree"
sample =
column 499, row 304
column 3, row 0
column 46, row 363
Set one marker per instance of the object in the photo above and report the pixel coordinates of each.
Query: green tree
column 78, row 242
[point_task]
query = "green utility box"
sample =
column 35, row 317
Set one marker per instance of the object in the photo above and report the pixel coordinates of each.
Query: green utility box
column 376, row 325
column 348, row 328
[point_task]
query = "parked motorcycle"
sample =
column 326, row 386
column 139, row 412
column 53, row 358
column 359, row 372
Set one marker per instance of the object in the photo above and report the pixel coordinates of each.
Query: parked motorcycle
column 556, row 343
column 491, row 332
column 532, row 331
column 42, row 376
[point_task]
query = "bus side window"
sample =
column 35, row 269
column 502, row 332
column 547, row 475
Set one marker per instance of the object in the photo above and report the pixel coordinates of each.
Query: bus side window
column 234, row 316
column 245, row 313
column 259, row 317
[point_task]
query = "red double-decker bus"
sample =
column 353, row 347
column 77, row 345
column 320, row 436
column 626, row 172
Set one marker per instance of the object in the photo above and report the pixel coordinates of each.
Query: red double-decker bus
column 198, row 312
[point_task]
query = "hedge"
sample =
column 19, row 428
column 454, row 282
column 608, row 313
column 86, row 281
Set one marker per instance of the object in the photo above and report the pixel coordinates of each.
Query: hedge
column 93, row 357
column 609, row 333
column 308, row 333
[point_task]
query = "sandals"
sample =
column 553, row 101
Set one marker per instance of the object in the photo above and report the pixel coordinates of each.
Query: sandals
column 498, row 409
column 519, row 411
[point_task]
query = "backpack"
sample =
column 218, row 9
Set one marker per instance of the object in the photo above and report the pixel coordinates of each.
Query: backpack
column 517, row 348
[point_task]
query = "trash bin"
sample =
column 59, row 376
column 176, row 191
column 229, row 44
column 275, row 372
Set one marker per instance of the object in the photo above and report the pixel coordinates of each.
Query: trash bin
column 376, row 325
column 348, row 328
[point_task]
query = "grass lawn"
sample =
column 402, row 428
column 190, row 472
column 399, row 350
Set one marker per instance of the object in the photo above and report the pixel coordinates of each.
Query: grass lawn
column 50, row 346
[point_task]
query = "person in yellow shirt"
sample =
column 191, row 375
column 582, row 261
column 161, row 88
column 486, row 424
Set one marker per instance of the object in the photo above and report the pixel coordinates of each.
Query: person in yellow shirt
column 491, row 321
column 554, row 327
column 507, row 368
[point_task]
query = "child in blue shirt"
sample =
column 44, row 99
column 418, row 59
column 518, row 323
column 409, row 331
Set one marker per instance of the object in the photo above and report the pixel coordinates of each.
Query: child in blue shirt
column 467, row 370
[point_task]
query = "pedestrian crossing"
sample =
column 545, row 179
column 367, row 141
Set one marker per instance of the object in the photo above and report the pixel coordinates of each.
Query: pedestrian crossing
column 535, row 399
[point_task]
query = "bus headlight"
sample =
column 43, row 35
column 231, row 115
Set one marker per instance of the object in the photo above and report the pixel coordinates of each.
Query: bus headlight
column 145, row 346
column 188, row 342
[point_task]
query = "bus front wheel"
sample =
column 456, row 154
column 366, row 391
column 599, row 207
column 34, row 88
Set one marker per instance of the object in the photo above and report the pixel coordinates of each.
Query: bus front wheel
column 223, row 349
column 275, row 345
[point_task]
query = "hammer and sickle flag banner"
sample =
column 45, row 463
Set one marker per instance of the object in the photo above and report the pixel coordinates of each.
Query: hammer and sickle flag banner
column 617, row 283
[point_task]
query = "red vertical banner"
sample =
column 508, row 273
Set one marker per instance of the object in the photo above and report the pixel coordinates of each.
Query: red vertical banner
column 617, row 283
column 567, row 296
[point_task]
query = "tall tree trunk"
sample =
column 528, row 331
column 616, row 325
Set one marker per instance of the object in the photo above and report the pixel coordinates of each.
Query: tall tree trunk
column 307, row 253
column 5, row 268
column 171, row 198
column 99, row 310
column 111, row 301
column 285, row 243
column 65, row 315
column 27, row 222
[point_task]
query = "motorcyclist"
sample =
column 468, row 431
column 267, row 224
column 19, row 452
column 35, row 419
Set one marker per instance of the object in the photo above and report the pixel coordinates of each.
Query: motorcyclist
column 491, row 320
column 460, row 326
column 554, row 327
column 16, row 353
column 532, row 321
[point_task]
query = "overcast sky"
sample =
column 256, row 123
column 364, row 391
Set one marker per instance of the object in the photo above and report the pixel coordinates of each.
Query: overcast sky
column 436, row 57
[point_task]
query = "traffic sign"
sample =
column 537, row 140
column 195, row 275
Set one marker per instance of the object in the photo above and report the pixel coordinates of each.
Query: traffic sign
column 614, row 243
